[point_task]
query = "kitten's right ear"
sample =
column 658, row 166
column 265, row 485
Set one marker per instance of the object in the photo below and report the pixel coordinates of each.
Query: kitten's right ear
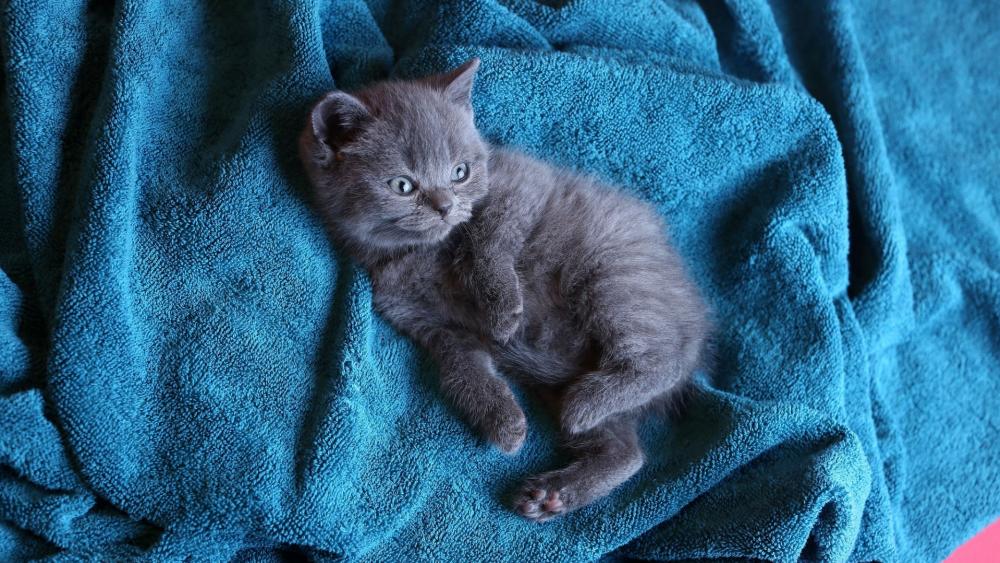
column 457, row 83
column 337, row 118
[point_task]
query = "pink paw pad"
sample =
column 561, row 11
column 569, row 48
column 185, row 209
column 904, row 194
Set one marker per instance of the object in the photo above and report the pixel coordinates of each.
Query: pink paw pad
column 540, row 504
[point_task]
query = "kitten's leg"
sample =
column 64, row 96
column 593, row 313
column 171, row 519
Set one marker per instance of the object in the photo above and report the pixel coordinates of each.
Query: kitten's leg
column 604, row 457
column 519, row 189
column 470, row 381
column 651, row 332
column 603, row 393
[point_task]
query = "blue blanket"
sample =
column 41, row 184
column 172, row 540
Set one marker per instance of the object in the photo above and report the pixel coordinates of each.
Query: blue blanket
column 189, row 369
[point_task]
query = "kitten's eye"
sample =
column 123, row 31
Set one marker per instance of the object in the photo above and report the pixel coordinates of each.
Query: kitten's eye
column 460, row 173
column 401, row 185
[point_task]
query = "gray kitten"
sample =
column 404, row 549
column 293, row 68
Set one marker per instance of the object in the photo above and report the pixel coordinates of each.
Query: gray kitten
column 494, row 261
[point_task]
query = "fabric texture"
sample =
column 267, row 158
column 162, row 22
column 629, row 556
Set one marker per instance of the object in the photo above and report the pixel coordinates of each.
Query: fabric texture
column 189, row 368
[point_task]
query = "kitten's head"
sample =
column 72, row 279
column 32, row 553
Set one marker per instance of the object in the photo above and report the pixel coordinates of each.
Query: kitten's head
column 397, row 164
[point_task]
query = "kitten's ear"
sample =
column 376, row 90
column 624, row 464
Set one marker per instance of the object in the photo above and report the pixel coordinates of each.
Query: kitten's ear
column 337, row 118
column 457, row 84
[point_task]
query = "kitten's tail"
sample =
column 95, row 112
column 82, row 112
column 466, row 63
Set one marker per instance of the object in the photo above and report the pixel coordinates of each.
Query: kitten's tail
column 539, row 367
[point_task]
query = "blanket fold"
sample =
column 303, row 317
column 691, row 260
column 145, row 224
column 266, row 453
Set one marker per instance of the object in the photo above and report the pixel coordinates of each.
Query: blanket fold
column 189, row 368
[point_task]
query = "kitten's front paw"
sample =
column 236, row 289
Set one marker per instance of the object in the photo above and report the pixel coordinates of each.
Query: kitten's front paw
column 506, row 426
column 505, row 316
column 497, row 291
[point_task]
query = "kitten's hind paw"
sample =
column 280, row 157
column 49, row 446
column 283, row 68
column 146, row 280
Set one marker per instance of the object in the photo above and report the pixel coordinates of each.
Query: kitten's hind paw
column 540, row 499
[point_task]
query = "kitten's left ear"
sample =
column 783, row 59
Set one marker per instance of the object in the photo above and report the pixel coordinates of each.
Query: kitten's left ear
column 457, row 84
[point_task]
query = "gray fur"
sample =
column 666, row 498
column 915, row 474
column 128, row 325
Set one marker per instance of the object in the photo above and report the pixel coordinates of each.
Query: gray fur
column 551, row 277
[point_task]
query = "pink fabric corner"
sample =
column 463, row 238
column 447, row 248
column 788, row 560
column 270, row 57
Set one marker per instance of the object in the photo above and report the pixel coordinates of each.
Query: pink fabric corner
column 984, row 547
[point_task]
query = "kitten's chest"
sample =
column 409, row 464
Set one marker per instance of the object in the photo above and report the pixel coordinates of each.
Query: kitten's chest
column 426, row 286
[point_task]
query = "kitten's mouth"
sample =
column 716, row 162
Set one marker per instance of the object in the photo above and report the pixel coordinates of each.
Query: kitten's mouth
column 435, row 232
column 457, row 218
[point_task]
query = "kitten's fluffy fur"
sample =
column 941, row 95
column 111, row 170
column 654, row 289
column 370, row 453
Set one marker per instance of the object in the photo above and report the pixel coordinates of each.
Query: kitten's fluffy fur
column 522, row 268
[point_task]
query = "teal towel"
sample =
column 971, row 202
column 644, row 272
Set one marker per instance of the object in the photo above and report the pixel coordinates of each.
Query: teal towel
column 190, row 370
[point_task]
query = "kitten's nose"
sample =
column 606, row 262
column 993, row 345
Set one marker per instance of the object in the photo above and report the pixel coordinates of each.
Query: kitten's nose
column 441, row 201
column 442, row 207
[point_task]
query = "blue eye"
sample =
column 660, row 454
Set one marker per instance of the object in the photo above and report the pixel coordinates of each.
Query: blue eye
column 401, row 185
column 460, row 173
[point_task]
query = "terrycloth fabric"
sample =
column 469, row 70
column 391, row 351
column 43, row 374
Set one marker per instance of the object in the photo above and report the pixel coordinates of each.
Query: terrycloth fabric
column 189, row 369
